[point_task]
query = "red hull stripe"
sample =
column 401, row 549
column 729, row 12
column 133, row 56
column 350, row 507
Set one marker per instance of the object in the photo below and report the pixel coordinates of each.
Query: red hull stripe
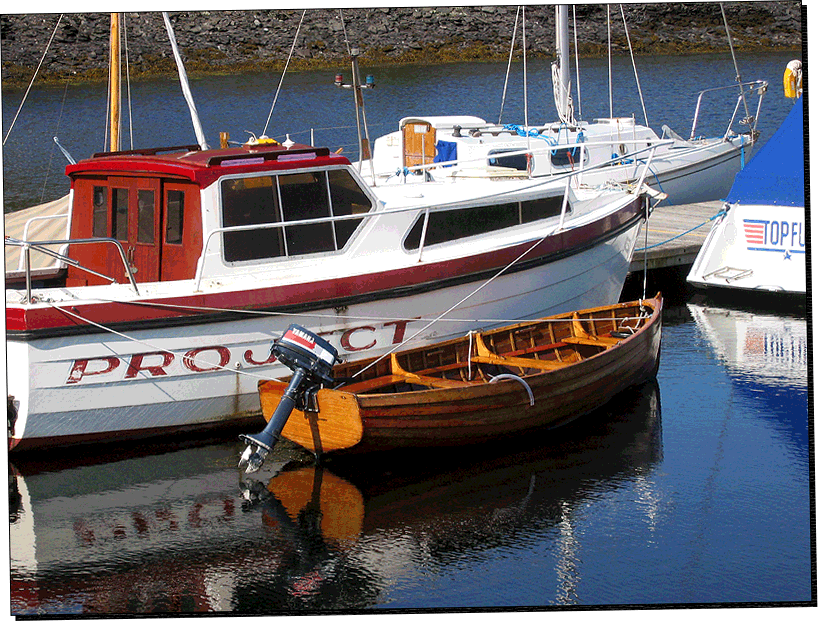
column 25, row 324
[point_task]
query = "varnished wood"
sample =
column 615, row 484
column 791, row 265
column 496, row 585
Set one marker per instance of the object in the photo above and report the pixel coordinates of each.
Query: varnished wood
column 337, row 424
column 389, row 406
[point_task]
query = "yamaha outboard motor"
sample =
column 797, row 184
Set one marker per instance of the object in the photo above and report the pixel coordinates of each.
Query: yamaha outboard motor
column 311, row 359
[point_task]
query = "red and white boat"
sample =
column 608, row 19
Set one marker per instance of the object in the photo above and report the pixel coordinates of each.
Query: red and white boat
column 183, row 264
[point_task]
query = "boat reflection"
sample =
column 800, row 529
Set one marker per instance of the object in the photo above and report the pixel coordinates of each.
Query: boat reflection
column 185, row 531
column 765, row 355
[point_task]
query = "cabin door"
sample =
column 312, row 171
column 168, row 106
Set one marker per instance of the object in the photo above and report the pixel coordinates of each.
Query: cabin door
column 418, row 143
column 135, row 221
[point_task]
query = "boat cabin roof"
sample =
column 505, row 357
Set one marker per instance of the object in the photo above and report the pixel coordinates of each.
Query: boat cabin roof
column 444, row 122
column 205, row 167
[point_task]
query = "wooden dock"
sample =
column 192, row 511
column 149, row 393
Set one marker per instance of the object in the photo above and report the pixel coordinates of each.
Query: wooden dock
column 670, row 240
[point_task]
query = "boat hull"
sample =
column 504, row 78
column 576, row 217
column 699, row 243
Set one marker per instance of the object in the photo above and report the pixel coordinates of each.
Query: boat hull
column 754, row 248
column 78, row 387
column 353, row 422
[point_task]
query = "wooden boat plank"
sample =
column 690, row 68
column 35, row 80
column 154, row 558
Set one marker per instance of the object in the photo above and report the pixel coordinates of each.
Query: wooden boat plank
column 452, row 412
column 526, row 363
column 599, row 341
column 374, row 383
column 337, row 424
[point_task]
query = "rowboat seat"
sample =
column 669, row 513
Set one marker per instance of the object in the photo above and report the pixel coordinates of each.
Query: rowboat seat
column 599, row 341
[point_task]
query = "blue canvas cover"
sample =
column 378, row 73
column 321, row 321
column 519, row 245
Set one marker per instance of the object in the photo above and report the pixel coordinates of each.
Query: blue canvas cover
column 775, row 175
column 446, row 152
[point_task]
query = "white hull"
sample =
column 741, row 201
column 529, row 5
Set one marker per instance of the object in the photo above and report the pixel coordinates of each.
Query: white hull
column 754, row 248
column 210, row 372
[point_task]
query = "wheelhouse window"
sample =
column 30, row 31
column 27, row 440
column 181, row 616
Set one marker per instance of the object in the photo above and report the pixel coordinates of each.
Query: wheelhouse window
column 454, row 224
column 119, row 216
column 175, row 209
column 100, row 211
column 290, row 197
column 146, row 206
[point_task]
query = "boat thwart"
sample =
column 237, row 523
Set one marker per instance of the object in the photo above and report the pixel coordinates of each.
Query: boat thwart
column 487, row 384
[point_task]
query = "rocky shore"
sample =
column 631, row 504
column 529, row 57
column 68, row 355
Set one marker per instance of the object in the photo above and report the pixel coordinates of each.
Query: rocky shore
column 221, row 41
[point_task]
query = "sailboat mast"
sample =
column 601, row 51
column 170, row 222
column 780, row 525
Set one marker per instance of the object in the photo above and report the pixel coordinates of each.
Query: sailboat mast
column 563, row 55
column 114, row 77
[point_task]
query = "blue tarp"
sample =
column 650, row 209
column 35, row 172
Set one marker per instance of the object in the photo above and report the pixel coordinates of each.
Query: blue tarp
column 775, row 175
column 446, row 151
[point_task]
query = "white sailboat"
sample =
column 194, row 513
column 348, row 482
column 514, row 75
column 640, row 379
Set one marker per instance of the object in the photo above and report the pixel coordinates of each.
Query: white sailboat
column 460, row 148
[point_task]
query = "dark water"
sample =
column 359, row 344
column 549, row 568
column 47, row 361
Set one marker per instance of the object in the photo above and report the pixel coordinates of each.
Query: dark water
column 33, row 168
column 693, row 489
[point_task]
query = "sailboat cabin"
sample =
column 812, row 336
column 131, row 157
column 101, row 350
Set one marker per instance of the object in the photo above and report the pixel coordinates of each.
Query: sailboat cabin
column 162, row 204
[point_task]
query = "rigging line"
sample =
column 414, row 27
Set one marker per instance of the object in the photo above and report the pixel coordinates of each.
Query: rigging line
column 525, row 91
column 633, row 62
column 283, row 73
column 128, row 77
column 260, row 313
column 56, row 133
column 156, row 348
column 446, row 312
column 508, row 69
column 30, row 84
column 735, row 64
column 576, row 62
column 610, row 68
column 344, row 28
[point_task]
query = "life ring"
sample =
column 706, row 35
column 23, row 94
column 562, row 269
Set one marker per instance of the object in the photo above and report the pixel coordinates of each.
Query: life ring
column 792, row 79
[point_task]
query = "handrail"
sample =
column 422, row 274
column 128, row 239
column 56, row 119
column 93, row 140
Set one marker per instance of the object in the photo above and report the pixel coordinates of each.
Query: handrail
column 552, row 180
column 28, row 224
column 756, row 85
column 40, row 247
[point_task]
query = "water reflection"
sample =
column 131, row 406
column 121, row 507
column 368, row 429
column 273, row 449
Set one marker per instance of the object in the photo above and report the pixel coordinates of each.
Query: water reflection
column 185, row 531
column 765, row 355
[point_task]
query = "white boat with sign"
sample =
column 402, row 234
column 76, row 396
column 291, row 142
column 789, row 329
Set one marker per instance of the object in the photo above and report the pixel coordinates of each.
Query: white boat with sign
column 183, row 264
column 459, row 148
column 759, row 241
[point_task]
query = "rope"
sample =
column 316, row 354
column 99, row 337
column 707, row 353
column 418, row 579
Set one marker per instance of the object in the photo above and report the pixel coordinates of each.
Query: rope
column 30, row 84
column 261, row 313
column 633, row 62
column 508, row 69
column 158, row 349
column 128, row 77
column 720, row 213
column 283, row 73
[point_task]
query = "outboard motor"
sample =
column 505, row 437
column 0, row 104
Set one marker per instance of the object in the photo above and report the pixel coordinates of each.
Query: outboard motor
column 311, row 359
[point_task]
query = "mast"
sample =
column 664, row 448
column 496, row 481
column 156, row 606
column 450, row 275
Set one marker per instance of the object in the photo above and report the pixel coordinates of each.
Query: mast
column 561, row 68
column 114, row 78
column 563, row 55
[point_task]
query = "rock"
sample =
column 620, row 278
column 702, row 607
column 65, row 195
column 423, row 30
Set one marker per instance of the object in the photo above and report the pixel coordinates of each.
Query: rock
column 385, row 34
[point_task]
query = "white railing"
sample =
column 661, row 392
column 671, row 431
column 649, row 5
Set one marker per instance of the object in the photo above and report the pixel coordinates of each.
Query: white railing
column 40, row 246
column 27, row 228
column 469, row 204
column 757, row 86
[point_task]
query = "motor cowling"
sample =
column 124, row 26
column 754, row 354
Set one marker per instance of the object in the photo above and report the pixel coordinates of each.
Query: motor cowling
column 311, row 359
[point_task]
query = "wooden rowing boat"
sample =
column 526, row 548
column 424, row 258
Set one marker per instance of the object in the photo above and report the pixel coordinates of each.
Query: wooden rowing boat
column 484, row 385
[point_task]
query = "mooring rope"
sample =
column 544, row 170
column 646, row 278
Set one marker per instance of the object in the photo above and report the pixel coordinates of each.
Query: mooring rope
column 670, row 239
